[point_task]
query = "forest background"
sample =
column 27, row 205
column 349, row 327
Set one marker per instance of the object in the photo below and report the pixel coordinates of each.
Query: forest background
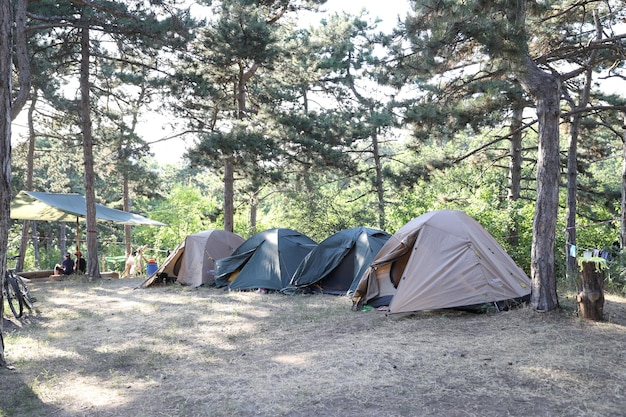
column 326, row 126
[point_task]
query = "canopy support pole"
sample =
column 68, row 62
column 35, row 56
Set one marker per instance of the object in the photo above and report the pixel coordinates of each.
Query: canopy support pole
column 77, row 234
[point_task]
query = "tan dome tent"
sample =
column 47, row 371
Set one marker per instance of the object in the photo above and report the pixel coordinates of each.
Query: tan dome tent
column 193, row 261
column 442, row 259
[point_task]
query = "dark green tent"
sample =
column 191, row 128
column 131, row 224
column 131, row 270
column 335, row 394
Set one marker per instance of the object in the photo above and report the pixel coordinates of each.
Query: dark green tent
column 266, row 260
column 336, row 265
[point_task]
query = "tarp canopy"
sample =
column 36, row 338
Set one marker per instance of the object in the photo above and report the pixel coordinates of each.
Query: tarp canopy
column 31, row 205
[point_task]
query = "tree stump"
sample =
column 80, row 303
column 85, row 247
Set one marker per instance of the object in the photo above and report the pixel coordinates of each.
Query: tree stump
column 591, row 297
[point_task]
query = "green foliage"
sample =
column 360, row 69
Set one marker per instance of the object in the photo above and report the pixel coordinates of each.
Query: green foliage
column 320, row 205
column 616, row 271
column 185, row 210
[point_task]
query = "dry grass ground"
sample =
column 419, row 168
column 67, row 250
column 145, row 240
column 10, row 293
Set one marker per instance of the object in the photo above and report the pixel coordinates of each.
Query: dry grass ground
column 108, row 349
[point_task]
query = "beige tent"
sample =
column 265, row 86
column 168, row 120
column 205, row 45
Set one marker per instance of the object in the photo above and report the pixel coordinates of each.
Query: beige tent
column 193, row 261
column 442, row 259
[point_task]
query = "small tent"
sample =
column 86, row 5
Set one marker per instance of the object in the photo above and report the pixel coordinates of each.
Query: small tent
column 338, row 262
column 193, row 261
column 266, row 260
column 442, row 259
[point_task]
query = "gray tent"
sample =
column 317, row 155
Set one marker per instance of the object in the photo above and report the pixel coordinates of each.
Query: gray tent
column 441, row 259
column 338, row 262
column 266, row 260
column 192, row 262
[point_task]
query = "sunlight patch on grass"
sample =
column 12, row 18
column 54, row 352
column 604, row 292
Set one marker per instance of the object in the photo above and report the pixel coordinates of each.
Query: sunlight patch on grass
column 83, row 394
column 297, row 360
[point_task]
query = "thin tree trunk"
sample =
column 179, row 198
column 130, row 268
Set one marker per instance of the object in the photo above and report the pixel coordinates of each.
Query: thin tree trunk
column 571, row 270
column 93, row 268
column 229, row 195
column 126, row 198
column 62, row 238
column 380, row 190
column 254, row 207
column 515, row 170
column 35, row 234
column 6, row 44
column 623, row 208
column 29, row 178
column 21, row 58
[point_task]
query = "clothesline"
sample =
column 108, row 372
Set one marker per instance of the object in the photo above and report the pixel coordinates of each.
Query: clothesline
column 596, row 253
column 591, row 224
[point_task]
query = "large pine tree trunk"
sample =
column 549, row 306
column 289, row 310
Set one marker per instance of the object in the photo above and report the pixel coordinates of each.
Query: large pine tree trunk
column 93, row 268
column 546, row 90
column 6, row 40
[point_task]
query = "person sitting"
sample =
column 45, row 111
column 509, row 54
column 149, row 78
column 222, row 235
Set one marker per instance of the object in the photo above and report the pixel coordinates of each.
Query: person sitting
column 67, row 264
column 81, row 263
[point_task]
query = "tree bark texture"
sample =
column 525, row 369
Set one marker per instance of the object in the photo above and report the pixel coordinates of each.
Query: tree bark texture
column 515, row 168
column 545, row 88
column 229, row 195
column 623, row 208
column 572, row 164
column 571, row 270
column 591, row 296
column 126, row 196
column 93, row 269
column 30, row 162
column 380, row 189
column 6, row 44
column 21, row 58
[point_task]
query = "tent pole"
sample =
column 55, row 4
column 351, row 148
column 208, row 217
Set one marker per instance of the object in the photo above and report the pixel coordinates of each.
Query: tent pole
column 77, row 234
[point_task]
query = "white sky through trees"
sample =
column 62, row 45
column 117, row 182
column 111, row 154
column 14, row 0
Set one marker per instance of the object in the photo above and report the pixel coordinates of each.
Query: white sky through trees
column 387, row 11
column 153, row 127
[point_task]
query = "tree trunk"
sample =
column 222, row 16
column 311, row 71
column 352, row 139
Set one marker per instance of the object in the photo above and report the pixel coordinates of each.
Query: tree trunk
column 546, row 90
column 572, row 165
column 93, row 269
column 6, row 45
column 21, row 59
column 571, row 270
column 591, row 296
column 62, row 239
column 29, row 178
column 126, row 198
column 254, row 207
column 623, row 208
column 35, row 238
column 380, row 190
column 515, row 169
column 229, row 195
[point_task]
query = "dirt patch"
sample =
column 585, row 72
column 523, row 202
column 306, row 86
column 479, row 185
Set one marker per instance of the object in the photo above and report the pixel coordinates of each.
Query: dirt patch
column 108, row 349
